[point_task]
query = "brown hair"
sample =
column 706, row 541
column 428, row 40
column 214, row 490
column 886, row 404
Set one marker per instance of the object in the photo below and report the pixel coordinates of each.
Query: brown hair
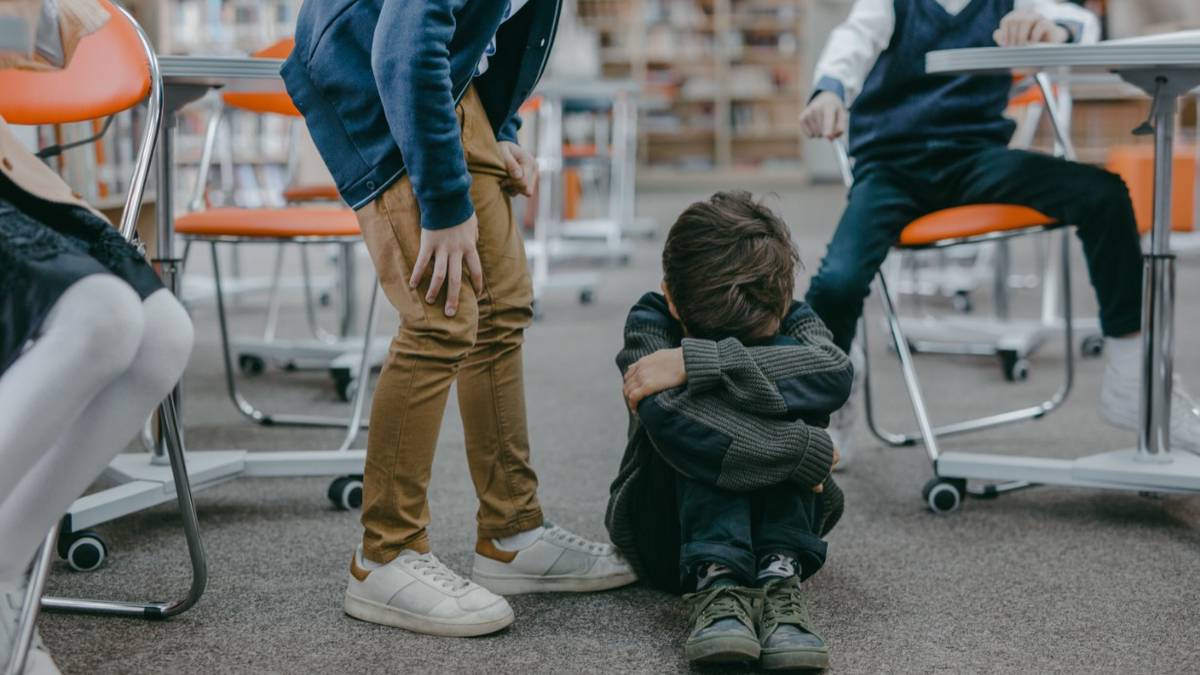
column 729, row 265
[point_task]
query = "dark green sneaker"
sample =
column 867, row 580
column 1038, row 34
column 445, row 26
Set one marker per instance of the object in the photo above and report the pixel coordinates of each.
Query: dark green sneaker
column 720, row 627
column 788, row 639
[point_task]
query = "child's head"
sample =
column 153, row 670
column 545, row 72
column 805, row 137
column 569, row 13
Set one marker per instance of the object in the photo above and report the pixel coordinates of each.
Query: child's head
column 729, row 268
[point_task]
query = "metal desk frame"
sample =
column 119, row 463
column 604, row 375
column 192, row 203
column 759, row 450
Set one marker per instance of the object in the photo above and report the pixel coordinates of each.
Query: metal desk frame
column 1165, row 71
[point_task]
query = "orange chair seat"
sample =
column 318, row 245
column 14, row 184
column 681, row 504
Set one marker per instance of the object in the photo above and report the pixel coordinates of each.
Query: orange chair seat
column 312, row 193
column 269, row 223
column 972, row 220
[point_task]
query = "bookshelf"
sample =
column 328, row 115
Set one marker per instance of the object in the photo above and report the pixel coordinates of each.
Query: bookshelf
column 723, row 83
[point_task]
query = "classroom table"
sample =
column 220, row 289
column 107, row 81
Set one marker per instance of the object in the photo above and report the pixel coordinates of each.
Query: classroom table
column 1165, row 70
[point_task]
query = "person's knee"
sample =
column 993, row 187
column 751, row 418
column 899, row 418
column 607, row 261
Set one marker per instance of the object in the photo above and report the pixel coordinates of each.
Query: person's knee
column 166, row 345
column 104, row 316
column 445, row 339
column 839, row 285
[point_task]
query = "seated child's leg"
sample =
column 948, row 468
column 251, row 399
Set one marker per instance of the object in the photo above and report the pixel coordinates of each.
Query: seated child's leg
column 784, row 524
column 877, row 209
column 715, row 527
column 788, row 549
column 717, row 559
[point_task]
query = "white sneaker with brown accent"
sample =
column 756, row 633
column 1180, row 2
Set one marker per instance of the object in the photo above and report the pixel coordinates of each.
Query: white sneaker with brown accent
column 416, row 592
column 557, row 561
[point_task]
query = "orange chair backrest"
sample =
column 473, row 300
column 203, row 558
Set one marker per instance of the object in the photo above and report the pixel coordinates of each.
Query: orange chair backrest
column 1135, row 164
column 109, row 73
column 264, row 102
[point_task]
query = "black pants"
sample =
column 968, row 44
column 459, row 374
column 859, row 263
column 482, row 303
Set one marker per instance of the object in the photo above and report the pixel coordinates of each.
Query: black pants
column 736, row 529
column 892, row 190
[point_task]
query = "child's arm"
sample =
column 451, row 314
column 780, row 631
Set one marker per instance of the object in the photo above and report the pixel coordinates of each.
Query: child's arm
column 1081, row 26
column 648, row 329
column 803, row 374
column 852, row 49
column 707, row 439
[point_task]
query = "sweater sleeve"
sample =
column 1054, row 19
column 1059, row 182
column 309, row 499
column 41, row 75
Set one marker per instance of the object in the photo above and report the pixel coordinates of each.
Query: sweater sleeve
column 648, row 328
column 708, row 439
column 801, row 373
column 410, row 57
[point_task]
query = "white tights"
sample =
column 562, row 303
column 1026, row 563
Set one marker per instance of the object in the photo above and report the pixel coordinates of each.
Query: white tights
column 103, row 361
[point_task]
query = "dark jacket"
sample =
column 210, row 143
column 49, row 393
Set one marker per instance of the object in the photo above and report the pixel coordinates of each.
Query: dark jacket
column 378, row 82
column 748, row 418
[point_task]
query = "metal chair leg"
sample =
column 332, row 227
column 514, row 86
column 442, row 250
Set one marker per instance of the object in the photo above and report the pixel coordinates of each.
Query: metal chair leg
column 364, row 375
column 191, row 531
column 976, row 424
column 910, row 374
column 243, row 406
column 27, row 622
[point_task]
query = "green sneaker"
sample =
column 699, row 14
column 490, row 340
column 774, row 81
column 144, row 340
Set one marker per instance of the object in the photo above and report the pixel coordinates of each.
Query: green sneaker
column 720, row 627
column 788, row 639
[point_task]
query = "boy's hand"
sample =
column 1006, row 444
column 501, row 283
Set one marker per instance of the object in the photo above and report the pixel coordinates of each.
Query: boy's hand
column 522, row 169
column 825, row 116
column 837, row 457
column 660, row 371
column 448, row 249
column 1027, row 27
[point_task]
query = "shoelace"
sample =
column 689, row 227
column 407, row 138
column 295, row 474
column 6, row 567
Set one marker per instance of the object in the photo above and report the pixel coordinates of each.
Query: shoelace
column 435, row 571
column 785, row 605
column 574, row 540
column 723, row 602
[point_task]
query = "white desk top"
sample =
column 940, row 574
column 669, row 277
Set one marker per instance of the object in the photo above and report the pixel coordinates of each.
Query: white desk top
column 1123, row 55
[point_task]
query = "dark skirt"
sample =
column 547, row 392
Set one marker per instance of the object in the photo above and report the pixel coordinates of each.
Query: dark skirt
column 46, row 247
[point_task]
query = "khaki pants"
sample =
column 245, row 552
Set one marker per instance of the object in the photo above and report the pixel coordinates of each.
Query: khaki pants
column 480, row 347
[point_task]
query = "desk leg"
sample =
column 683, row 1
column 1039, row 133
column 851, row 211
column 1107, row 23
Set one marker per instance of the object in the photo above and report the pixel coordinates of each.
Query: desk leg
column 1158, row 296
column 165, row 260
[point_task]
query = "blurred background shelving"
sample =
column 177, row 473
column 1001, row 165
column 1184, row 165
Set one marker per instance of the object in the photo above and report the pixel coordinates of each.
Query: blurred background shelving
column 723, row 83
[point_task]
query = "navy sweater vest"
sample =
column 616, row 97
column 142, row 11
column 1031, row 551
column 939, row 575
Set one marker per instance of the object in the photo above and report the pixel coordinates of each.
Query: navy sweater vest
column 901, row 107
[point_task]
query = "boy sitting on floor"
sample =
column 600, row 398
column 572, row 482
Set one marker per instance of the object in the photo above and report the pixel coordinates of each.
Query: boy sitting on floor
column 725, row 487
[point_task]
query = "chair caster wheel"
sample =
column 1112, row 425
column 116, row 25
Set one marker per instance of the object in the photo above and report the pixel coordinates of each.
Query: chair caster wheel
column 251, row 364
column 1092, row 346
column 344, row 382
column 325, row 299
column 84, row 551
column 586, row 296
column 944, row 495
column 1016, row 369
column 346, row 493
column 962, row 302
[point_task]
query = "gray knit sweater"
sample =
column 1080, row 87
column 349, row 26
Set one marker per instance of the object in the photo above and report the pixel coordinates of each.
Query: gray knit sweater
column 748, row 417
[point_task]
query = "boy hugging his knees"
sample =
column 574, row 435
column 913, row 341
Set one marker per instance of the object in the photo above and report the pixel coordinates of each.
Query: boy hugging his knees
column 724, row 491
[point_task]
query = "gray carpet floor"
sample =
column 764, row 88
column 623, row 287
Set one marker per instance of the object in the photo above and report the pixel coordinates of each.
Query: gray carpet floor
column 1044, row 580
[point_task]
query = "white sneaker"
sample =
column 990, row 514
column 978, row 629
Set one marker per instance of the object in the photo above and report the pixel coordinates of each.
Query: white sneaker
column 417, row 592
column 556, row 561
column 1120, row 401
column 843, row 422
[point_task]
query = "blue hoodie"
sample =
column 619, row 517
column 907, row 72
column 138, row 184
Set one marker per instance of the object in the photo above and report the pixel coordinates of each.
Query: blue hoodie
column 378, row 82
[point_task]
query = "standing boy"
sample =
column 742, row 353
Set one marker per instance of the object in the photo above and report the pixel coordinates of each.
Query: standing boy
column 413, row 106
column 927, row 142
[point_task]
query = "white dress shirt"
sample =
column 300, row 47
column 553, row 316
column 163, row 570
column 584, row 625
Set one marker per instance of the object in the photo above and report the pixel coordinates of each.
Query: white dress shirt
column 854, row 46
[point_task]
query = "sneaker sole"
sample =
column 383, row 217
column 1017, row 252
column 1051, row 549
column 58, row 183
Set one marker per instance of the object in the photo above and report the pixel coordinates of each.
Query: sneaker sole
column 517, row 585
column 795, row 660
column 386, row 615
column 723, row 650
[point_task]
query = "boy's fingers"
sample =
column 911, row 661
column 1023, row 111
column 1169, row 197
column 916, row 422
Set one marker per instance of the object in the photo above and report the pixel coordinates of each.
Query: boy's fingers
column 454, row 275
column 419, row 267
column 827, row 122
column 439, row 276
column 475, row 270
column 819, row 488
column 511, row 163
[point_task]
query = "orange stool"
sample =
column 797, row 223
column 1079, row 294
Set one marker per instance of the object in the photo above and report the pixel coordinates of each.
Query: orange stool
column 288, row 225
column 1135, row 164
